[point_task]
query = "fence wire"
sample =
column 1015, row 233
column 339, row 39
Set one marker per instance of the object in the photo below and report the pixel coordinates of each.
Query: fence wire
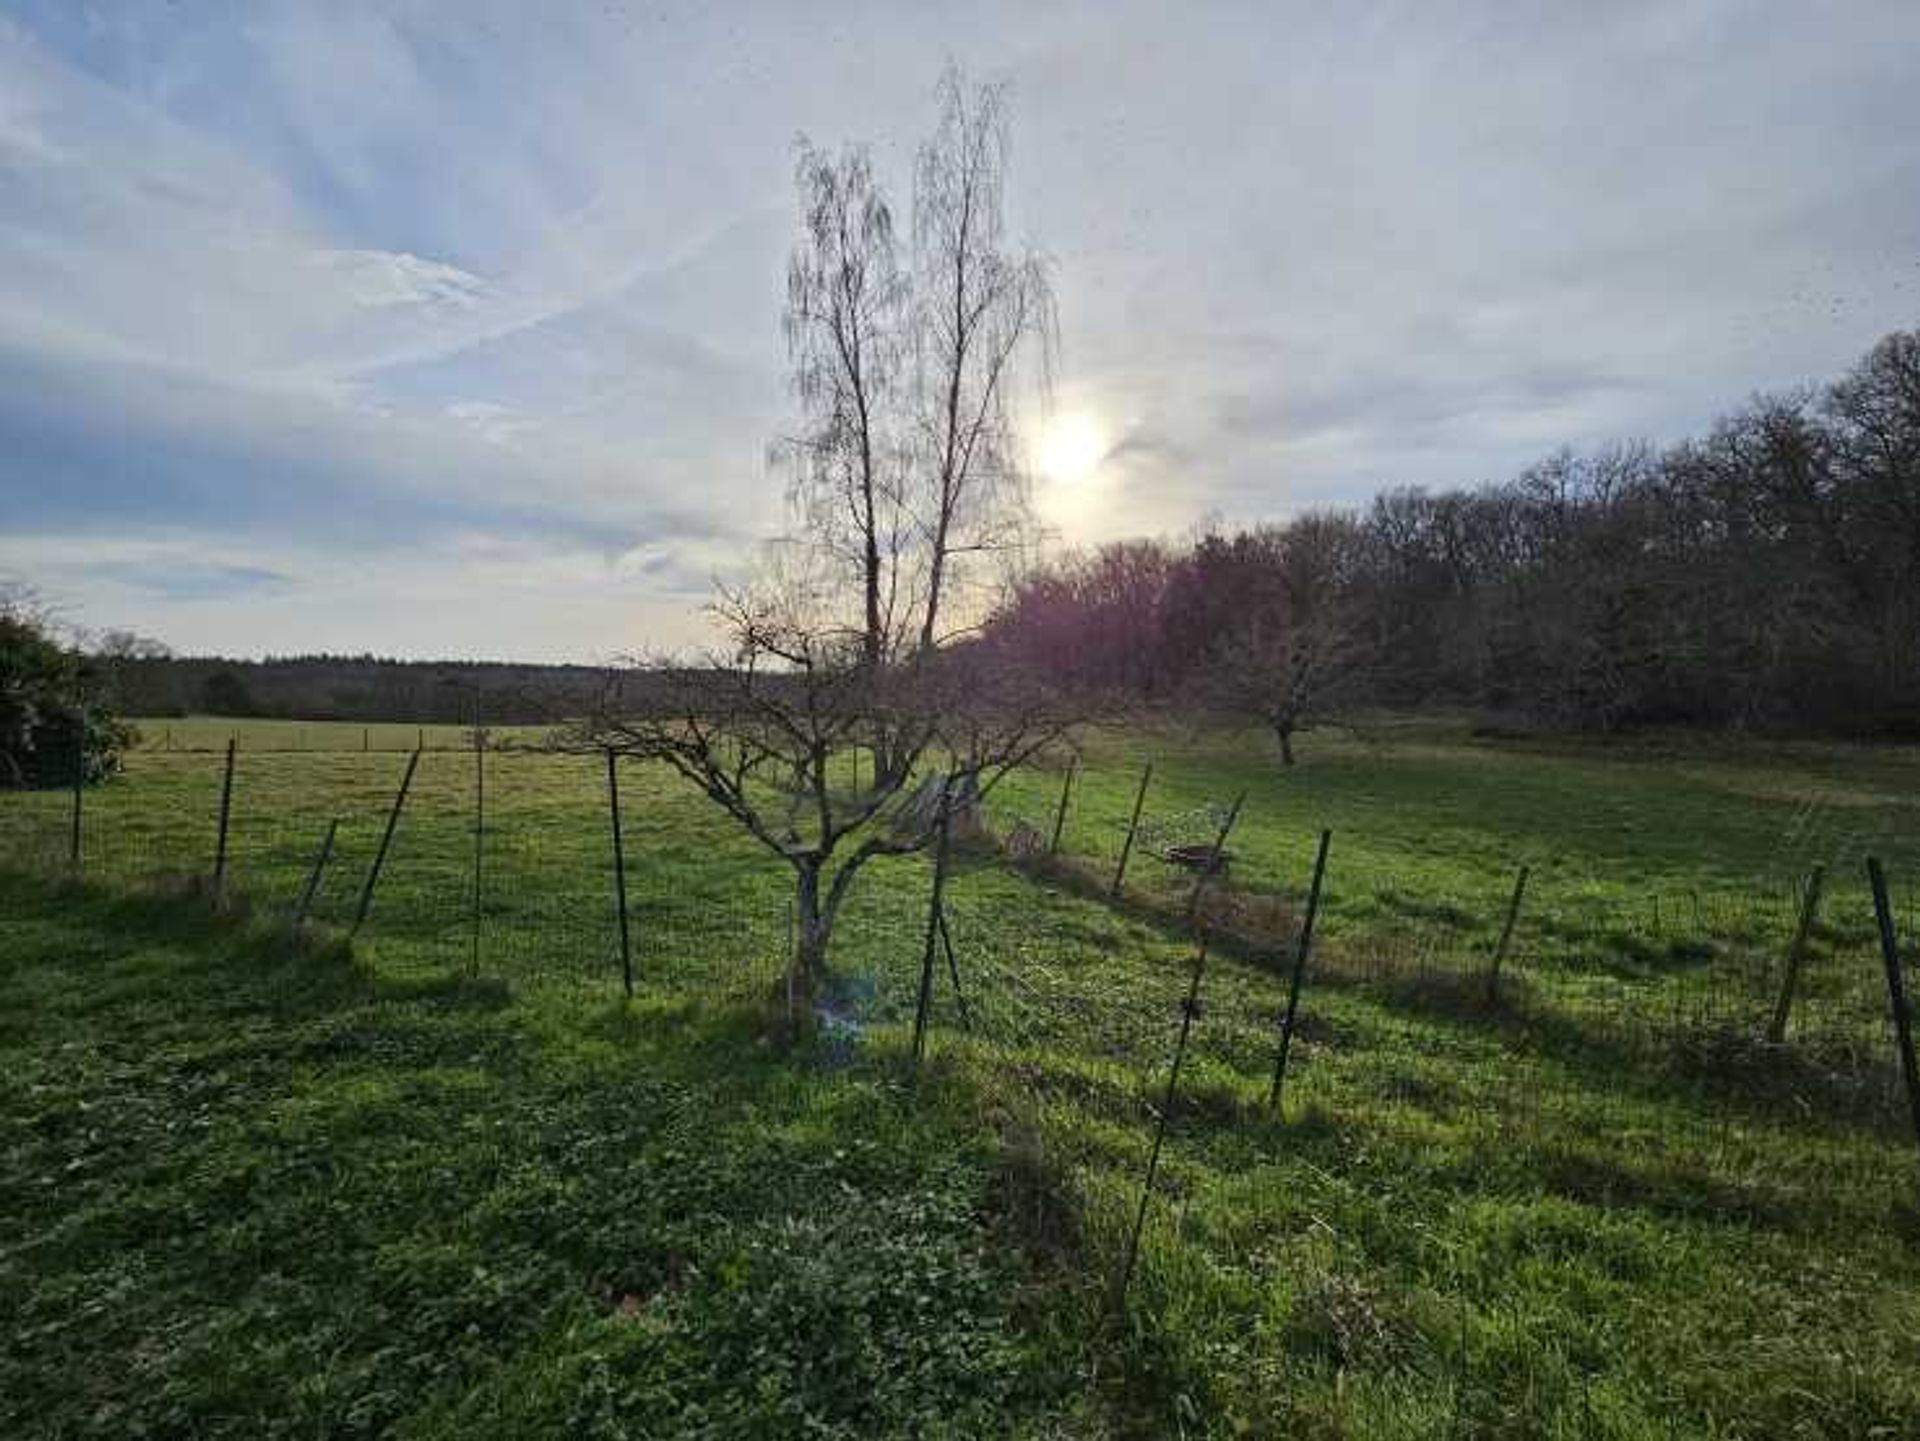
column 1676, row 984
column 1618, row 1025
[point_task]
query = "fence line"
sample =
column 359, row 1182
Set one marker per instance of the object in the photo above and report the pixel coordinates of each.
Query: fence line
column 1665, row 978
column 1728, row 1014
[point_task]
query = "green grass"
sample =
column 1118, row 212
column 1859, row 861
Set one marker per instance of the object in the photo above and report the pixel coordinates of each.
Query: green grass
column 254, row 1190
column 251, row 1187
column 1651, row 863
column 166, row 734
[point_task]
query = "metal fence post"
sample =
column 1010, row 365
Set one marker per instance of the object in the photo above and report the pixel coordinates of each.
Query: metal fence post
column 619, row 874
column 312, row 887
column 953, row 974
column 1506, row 934
column 1126, row 848
column 479, row 834
column 1188, row 1010
column 226, row 812
column 386, row 842
column 1301, row 950
column 1060, row 816
column 934, row 919
column 1896, row 990
column 1796, row 955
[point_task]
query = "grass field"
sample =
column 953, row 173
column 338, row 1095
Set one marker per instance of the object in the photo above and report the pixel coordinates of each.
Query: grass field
column 253, row 1187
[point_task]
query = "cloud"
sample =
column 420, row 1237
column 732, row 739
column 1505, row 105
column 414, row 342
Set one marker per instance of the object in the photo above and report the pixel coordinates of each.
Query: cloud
column 382, row 278
column 102, row 445
column 461, row 321
column 191, row 580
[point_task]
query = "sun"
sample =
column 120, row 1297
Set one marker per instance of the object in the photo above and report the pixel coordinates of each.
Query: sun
column 1070, row 448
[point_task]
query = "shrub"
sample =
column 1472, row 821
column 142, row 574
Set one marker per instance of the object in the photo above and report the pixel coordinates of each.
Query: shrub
column 51, row 716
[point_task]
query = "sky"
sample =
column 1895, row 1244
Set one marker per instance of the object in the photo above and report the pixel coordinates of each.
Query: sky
column 454, row 329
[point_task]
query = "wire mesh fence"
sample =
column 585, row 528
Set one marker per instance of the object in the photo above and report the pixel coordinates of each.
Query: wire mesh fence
column 1663, row 964
column 1680, row 1089
column 1620, row 1039
column 531, row 899
column 500, row 862
column 1663, row 967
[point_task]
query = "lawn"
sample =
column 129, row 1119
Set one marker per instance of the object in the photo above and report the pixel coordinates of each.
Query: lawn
column 254, row 1185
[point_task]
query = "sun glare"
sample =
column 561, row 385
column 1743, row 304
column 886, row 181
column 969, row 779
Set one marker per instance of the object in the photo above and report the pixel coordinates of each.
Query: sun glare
column 1071, row 448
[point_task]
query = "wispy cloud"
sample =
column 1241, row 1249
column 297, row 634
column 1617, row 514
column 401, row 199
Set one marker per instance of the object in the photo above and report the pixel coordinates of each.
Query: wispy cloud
column 455, row 327
column 192, row 580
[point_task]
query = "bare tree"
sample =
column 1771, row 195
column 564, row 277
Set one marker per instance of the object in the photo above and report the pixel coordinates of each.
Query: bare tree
column 903, row 468
column 1298, row 653
column 847, row 300
column 120, row 644
column 978, row 305
column 763, row 733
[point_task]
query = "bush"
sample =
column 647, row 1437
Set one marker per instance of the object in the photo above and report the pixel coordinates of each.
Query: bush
column 50, row 712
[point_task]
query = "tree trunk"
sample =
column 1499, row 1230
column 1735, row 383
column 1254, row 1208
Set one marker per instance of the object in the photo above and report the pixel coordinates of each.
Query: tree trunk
column 1284, row 729
column 813, row 928
column 889, row 761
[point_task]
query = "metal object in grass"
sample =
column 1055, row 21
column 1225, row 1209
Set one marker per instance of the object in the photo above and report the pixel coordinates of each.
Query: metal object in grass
column 312, row 887
column 953, row 974
column 936, row 920
column 1896, row 990
column 1214, row 859
column 226, row 814
column 479, row 834
column 1506, row 934
column 1189, row 1009
column 386, row 844
column 1060, row 816
column 1796, row 955
column 1301, row 951
column 619, row 874
column 1133, row 826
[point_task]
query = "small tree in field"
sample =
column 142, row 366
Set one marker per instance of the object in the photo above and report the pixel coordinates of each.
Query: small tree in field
column 1292, row 650
column 764, row 733
column 859, row 632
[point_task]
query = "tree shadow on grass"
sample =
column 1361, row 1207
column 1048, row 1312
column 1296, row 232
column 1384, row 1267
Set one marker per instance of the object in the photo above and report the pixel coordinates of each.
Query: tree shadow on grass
column 182, row 945
column 1722, row 1065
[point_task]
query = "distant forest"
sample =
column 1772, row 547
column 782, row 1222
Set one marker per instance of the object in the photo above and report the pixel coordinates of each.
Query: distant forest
column 1765, row 574
column 145, row 681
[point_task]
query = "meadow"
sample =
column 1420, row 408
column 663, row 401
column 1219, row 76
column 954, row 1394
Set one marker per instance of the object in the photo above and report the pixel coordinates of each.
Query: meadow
column 447, row 1181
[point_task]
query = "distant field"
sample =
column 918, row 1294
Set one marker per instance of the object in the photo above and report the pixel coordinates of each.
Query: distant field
column 1424, row 814
column 376, row 1195
column 211, row 733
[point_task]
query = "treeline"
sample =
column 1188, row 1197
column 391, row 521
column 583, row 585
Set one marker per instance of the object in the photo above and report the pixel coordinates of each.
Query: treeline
column 1764, row 574
column 360, row 688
